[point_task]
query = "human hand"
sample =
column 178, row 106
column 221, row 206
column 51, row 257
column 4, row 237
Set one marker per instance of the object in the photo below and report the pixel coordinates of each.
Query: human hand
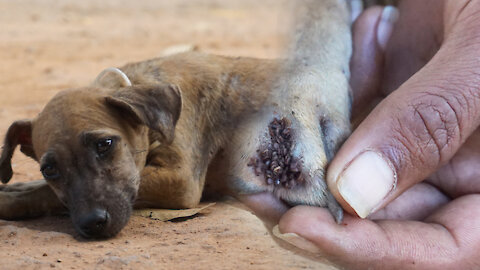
column 411, row 165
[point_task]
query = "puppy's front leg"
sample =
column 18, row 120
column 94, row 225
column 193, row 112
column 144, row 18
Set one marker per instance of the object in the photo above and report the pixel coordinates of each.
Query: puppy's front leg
column 27, row 200
column 286, row 149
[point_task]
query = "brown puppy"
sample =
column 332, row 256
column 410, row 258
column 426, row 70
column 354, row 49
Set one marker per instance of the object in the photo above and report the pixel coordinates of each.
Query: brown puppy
column 148, row 133
column 104, row 147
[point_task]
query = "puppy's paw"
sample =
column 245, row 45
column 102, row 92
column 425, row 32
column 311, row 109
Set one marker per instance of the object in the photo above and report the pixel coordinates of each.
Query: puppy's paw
column 27, row 200
column 292, row 161
column 22, row 187
column 8, row 206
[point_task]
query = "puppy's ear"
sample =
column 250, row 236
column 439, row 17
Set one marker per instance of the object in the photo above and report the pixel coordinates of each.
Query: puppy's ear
column 158, row 107
column 20, row 132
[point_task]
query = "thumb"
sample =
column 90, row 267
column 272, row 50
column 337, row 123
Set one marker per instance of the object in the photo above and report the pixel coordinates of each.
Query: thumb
column 415, row 130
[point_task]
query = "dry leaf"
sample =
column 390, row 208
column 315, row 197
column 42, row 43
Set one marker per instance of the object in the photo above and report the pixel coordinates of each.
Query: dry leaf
column 167, row 214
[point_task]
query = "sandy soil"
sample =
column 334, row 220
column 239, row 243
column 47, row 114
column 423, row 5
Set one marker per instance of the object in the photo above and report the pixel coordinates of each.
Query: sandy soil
column 49, row 45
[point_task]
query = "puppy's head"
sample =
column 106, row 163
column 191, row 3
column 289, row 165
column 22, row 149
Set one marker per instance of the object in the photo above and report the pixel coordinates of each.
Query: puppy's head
column 91, row 144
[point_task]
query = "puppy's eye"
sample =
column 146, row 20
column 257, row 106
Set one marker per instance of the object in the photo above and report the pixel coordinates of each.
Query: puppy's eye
column 104, row 146
column 50, row 172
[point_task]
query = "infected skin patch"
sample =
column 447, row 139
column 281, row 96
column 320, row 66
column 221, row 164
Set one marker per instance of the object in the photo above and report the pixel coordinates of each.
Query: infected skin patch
column 275, row 160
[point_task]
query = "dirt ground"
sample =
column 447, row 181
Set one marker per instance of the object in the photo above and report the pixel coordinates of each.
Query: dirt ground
column 50, row 45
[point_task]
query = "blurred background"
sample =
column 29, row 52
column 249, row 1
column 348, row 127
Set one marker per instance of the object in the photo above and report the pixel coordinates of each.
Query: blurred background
column 65, row 43
column 50, row 45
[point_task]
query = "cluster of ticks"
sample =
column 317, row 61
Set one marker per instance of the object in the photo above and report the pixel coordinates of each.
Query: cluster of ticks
column 275, row 160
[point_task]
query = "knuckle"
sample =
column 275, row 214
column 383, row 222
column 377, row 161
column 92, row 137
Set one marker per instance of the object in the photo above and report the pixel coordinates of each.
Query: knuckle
column 429, row 129
column 435, row 124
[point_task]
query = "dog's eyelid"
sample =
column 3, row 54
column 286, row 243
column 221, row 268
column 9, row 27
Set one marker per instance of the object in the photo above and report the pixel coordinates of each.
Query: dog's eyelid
column 47, row 159
column 89, row 137
column 48, row 167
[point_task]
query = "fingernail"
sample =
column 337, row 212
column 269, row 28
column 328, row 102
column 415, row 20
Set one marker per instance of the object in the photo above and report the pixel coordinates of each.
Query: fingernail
column 366, row 181
column 356, row 9
column 388, row 19
column 296, row 240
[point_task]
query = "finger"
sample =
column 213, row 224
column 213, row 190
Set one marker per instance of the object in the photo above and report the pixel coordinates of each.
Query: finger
column 265, row 206
column 417, row 37
column 371, row 32
column 460, row 175
column 448, row 241
column 416, row 203
column 411, row 133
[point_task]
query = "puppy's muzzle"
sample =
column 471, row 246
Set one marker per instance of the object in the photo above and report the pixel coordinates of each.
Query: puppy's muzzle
column 94, row 223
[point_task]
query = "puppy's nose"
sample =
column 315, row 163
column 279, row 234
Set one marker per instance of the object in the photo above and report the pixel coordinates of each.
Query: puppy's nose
column 94, row 223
